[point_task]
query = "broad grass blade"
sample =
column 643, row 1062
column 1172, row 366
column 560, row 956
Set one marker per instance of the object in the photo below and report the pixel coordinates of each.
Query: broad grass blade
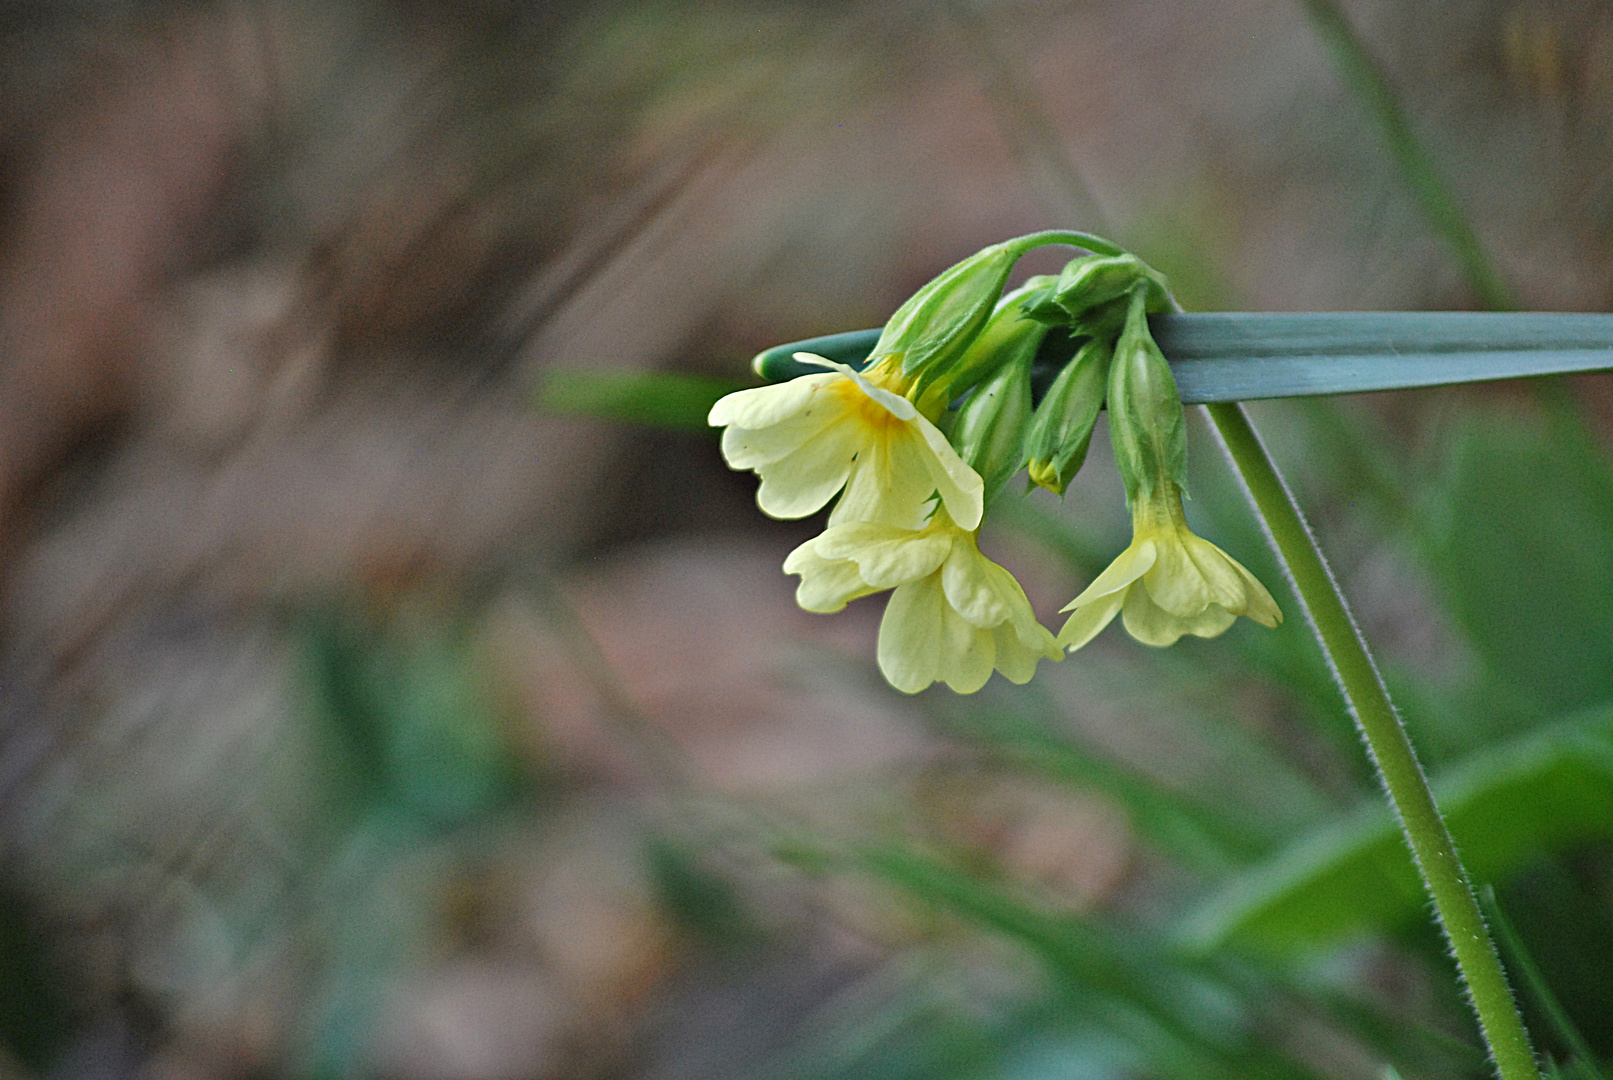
column 1246, row 356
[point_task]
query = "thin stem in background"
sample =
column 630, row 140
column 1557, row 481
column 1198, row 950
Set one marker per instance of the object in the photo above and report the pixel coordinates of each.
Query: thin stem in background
column 1034, row 137
column 1391, row 751
column 1369, row 84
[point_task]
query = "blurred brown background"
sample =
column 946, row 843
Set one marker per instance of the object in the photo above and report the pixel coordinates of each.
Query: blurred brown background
column 341, row 690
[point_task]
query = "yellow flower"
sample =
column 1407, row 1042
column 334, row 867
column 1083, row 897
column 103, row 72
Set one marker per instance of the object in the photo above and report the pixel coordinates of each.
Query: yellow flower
column 955, row 615
column 812, row 436
column 1169, row 582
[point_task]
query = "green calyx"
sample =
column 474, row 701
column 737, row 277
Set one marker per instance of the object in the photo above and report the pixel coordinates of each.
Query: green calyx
column 990, row 427
column 1061, row 429
column 1145, row 414
column 930, row 334
column 1006, row 333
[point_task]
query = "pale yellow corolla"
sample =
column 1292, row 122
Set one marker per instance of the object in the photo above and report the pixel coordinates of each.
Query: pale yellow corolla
column 840, row 429
column 954, row 617
column 1169, row 582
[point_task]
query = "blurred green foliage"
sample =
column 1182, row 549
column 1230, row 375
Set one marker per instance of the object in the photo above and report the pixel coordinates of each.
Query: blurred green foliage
column 35, row 1011
column 423, row 766
column 1514, row 537
column 680, row 402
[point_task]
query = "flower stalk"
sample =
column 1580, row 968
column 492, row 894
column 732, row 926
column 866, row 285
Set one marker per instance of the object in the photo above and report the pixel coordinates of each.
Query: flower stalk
column 1391, row 751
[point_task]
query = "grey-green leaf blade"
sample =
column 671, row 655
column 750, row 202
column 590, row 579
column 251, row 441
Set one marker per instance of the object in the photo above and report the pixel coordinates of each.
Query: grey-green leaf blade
column 1247, row 356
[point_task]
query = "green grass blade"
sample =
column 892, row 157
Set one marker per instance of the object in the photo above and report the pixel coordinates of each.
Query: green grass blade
column 1367, row 81
column 1529, row 974
column 1505, row 806
column 1245, row 357
column 1217, row 356
column 1198, row 836
column 1183, row 1037
column 779, row 363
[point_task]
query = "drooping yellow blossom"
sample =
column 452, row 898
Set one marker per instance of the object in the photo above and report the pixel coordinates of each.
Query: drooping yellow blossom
column 1169, row 582
column 812, row 436
column 955, row 615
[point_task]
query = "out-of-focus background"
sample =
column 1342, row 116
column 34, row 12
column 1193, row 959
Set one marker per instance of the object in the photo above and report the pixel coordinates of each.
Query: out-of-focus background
column 365, row 712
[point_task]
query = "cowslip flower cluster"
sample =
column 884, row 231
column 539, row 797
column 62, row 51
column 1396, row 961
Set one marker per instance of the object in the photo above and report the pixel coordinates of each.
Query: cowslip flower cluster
column 918, row 441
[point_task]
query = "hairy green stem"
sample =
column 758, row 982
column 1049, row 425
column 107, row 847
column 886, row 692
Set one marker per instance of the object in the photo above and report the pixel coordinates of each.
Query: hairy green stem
column 1366, row 79
column 1430, row 841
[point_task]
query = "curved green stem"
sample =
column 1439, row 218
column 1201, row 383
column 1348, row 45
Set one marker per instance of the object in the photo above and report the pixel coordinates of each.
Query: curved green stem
column 1387, row 744
column 1095, row 244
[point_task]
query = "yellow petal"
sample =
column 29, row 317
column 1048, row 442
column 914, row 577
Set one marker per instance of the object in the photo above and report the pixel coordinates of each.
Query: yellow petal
column 764, row 406
column 747, row 448
column 803, row 481
column 961, row 489
column 891, row 481
column 911, row 635
column 827, row 585
column 977, row 588
column 1016, row 659
column 1153, row 625
column 1258, row 604
column 1092, row 616
column 845, row 541
column 1223, row 575
column 1128, row 566
column 895, row 404
column 1036, row 637
column 968, row 653
column 887, row 557
column 1175, row 582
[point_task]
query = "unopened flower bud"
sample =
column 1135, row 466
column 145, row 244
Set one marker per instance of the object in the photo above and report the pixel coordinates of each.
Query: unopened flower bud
column 989, row 430
column 1061, row 429
column 1094, row 280
column 930, row 332
column 1004, row 336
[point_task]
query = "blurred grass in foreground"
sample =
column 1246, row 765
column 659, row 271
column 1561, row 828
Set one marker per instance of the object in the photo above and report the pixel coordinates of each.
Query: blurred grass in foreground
column 1514, row 540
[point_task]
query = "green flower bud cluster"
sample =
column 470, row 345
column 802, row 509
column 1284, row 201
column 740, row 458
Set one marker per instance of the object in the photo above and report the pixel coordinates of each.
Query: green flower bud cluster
column 1099, row 303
